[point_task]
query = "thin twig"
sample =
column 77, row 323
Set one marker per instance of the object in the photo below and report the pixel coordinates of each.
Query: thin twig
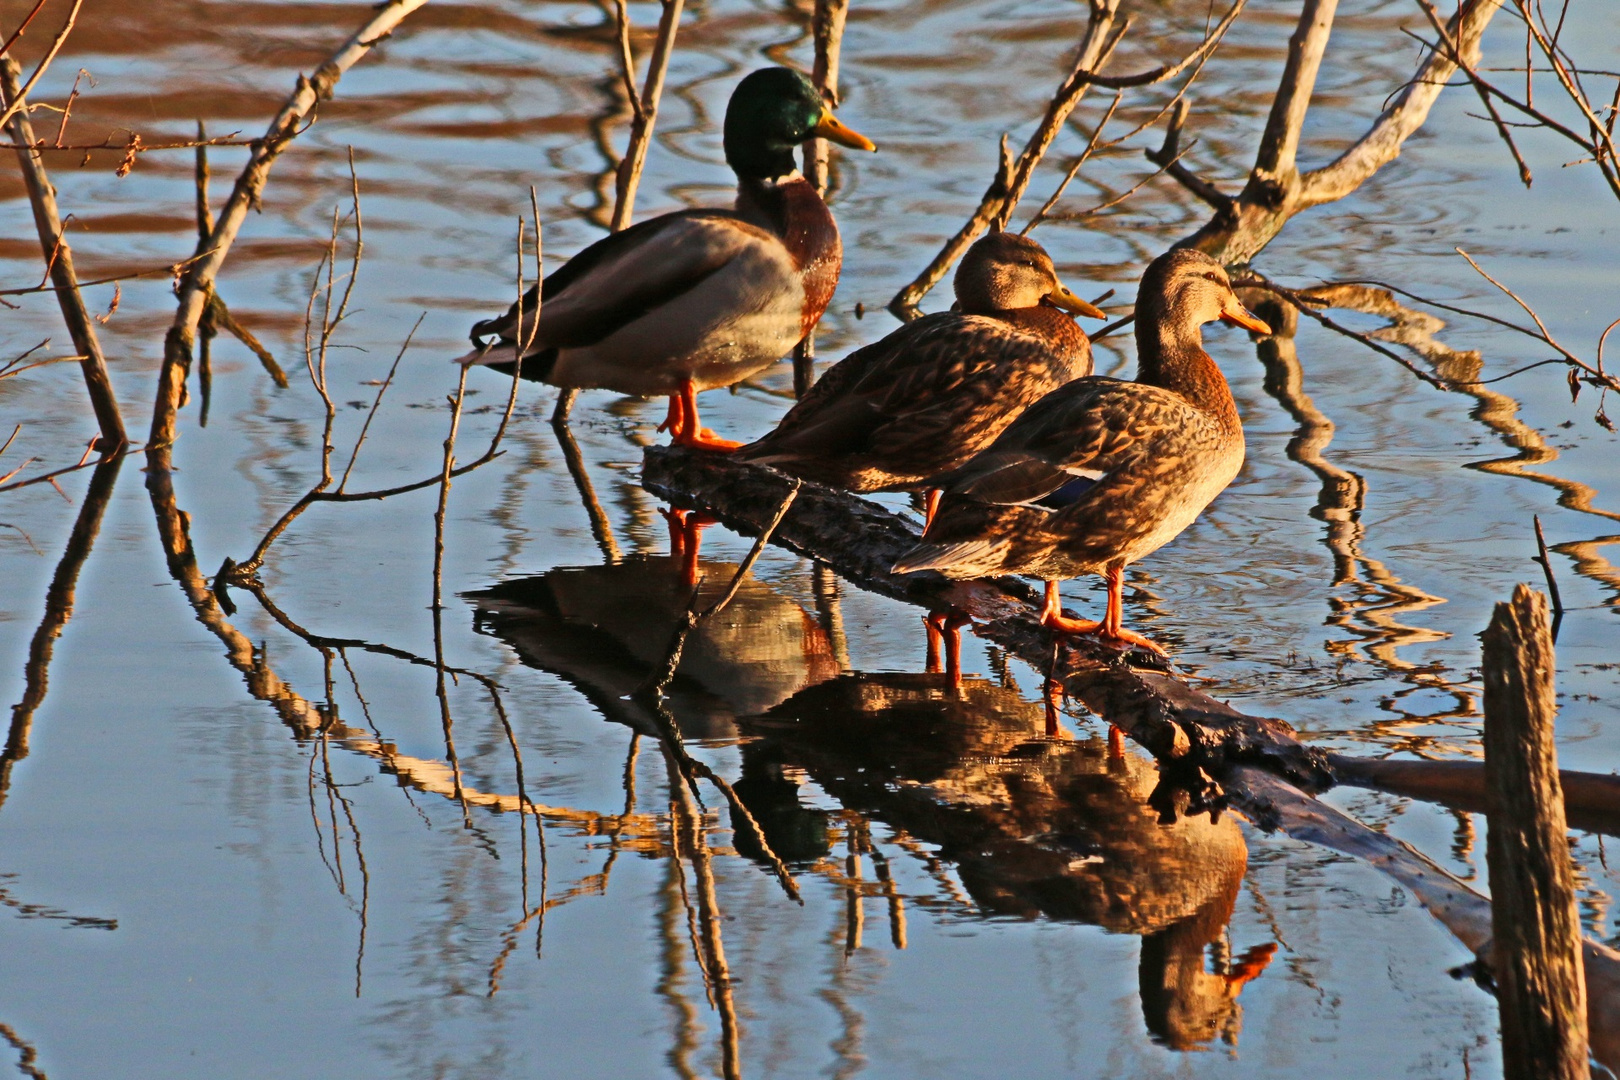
column 1546, row 568
column 15, row 102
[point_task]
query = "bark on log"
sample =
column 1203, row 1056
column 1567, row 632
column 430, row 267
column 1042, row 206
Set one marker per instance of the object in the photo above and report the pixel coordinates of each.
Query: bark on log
column 1538, row 975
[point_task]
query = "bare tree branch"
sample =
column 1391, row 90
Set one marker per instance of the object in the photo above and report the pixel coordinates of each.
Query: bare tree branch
column 295, row 115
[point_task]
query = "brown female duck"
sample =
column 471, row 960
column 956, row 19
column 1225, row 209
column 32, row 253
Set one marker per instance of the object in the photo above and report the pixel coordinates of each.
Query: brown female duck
column 900, row 412
column 1101, row 472
column 697, row 298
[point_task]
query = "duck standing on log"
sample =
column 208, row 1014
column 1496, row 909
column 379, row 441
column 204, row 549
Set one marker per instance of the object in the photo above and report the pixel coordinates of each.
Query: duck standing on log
column 902, row 411
column 694, row 299
column 1101, row 472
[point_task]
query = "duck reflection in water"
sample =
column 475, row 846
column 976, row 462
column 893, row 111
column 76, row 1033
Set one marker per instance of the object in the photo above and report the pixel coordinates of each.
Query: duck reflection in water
column 603, row 628
column 1037, row 828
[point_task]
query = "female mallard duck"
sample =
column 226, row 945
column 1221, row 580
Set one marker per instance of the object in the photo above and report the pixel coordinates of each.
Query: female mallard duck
column 697, row 298
column 902, row 411
column 1101, row 472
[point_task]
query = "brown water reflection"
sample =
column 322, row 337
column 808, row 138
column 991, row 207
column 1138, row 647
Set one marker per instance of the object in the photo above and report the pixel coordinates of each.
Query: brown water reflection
column 603, row 628
column 1031, row 827
column 1034, row 827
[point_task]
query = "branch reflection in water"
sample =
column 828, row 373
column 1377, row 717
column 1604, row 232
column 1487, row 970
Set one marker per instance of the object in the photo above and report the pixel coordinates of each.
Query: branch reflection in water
column 1031, row 827
column 1373, row 615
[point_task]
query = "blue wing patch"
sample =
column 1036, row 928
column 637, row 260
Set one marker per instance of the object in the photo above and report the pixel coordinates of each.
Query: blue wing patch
column 1070, row 493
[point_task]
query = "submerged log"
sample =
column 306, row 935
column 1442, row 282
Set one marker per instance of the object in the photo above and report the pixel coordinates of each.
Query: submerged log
column 1538, row 931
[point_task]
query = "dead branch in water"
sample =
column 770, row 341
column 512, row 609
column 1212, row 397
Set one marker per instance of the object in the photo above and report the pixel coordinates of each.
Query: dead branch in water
column 59, row 600
column 645, row 107
column 827, row 29
column 59, row 261
column 16, row 102
column 644, row 114
column 996, row 207
column 315, row 351
column 1536, row 961
column 1598, row 143
column 1276, row 190
column 295, row 115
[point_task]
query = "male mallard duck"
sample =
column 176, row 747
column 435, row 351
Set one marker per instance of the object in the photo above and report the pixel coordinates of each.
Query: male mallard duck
column 902, row 411
column 697, row 298
column 1101, row 472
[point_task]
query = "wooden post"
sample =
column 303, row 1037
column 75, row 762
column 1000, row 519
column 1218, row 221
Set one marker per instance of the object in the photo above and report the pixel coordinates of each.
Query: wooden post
column 1537, row 953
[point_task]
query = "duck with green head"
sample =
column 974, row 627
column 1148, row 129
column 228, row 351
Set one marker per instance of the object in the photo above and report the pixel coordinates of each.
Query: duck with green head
column 694, row 299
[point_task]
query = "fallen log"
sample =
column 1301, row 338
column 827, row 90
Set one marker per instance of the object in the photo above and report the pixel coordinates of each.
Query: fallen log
column 1177, row 724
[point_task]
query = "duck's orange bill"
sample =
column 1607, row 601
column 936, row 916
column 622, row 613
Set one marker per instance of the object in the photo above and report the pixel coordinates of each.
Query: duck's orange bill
column 1063, row 298
column 1238, row 315
column 831, row 128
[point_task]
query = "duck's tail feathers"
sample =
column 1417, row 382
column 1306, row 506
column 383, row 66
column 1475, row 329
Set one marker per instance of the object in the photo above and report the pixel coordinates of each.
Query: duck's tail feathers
column 971, row 558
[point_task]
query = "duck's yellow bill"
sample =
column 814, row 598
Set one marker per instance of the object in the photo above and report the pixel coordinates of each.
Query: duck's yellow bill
column 1238, row 315
column 1061, row 297
column 832, row 129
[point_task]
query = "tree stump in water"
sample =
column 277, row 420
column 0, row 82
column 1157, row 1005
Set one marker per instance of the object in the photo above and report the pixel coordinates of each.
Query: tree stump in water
column 1537, row 954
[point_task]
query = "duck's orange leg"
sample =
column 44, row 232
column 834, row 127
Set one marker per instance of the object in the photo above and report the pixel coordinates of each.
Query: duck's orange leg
column 931, row 661
column 691, row 432
column 1112, row 630
column 951, row 630
column 1053, row 619
column 1052, row 697
column 691, row 543
column 676, row 520
column 675, row 419
column 945, row 628
column 1249, row 966
column 1108, row 627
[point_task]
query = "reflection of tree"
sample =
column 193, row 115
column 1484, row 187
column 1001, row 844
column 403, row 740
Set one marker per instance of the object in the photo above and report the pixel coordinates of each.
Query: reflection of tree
column 58, row 610
column 310, row 720
column 1372, row 615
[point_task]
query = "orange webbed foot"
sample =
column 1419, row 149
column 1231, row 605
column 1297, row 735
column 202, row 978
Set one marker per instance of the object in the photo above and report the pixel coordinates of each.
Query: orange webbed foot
column 1129, row 638
column 706, row 439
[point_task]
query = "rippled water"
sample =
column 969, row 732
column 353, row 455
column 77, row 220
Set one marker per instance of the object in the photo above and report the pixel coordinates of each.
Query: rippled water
column 199, row 882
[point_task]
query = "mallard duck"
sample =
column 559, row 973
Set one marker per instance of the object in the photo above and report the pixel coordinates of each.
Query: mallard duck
column 1101, row 472
column 900, row 412
column 697, row 298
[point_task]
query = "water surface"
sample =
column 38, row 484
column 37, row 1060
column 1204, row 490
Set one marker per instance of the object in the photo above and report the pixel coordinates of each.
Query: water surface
column 232, row 852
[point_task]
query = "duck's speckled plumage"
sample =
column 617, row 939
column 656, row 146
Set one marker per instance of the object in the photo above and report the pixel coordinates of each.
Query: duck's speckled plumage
column 1101, row 472
column 923, row 400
